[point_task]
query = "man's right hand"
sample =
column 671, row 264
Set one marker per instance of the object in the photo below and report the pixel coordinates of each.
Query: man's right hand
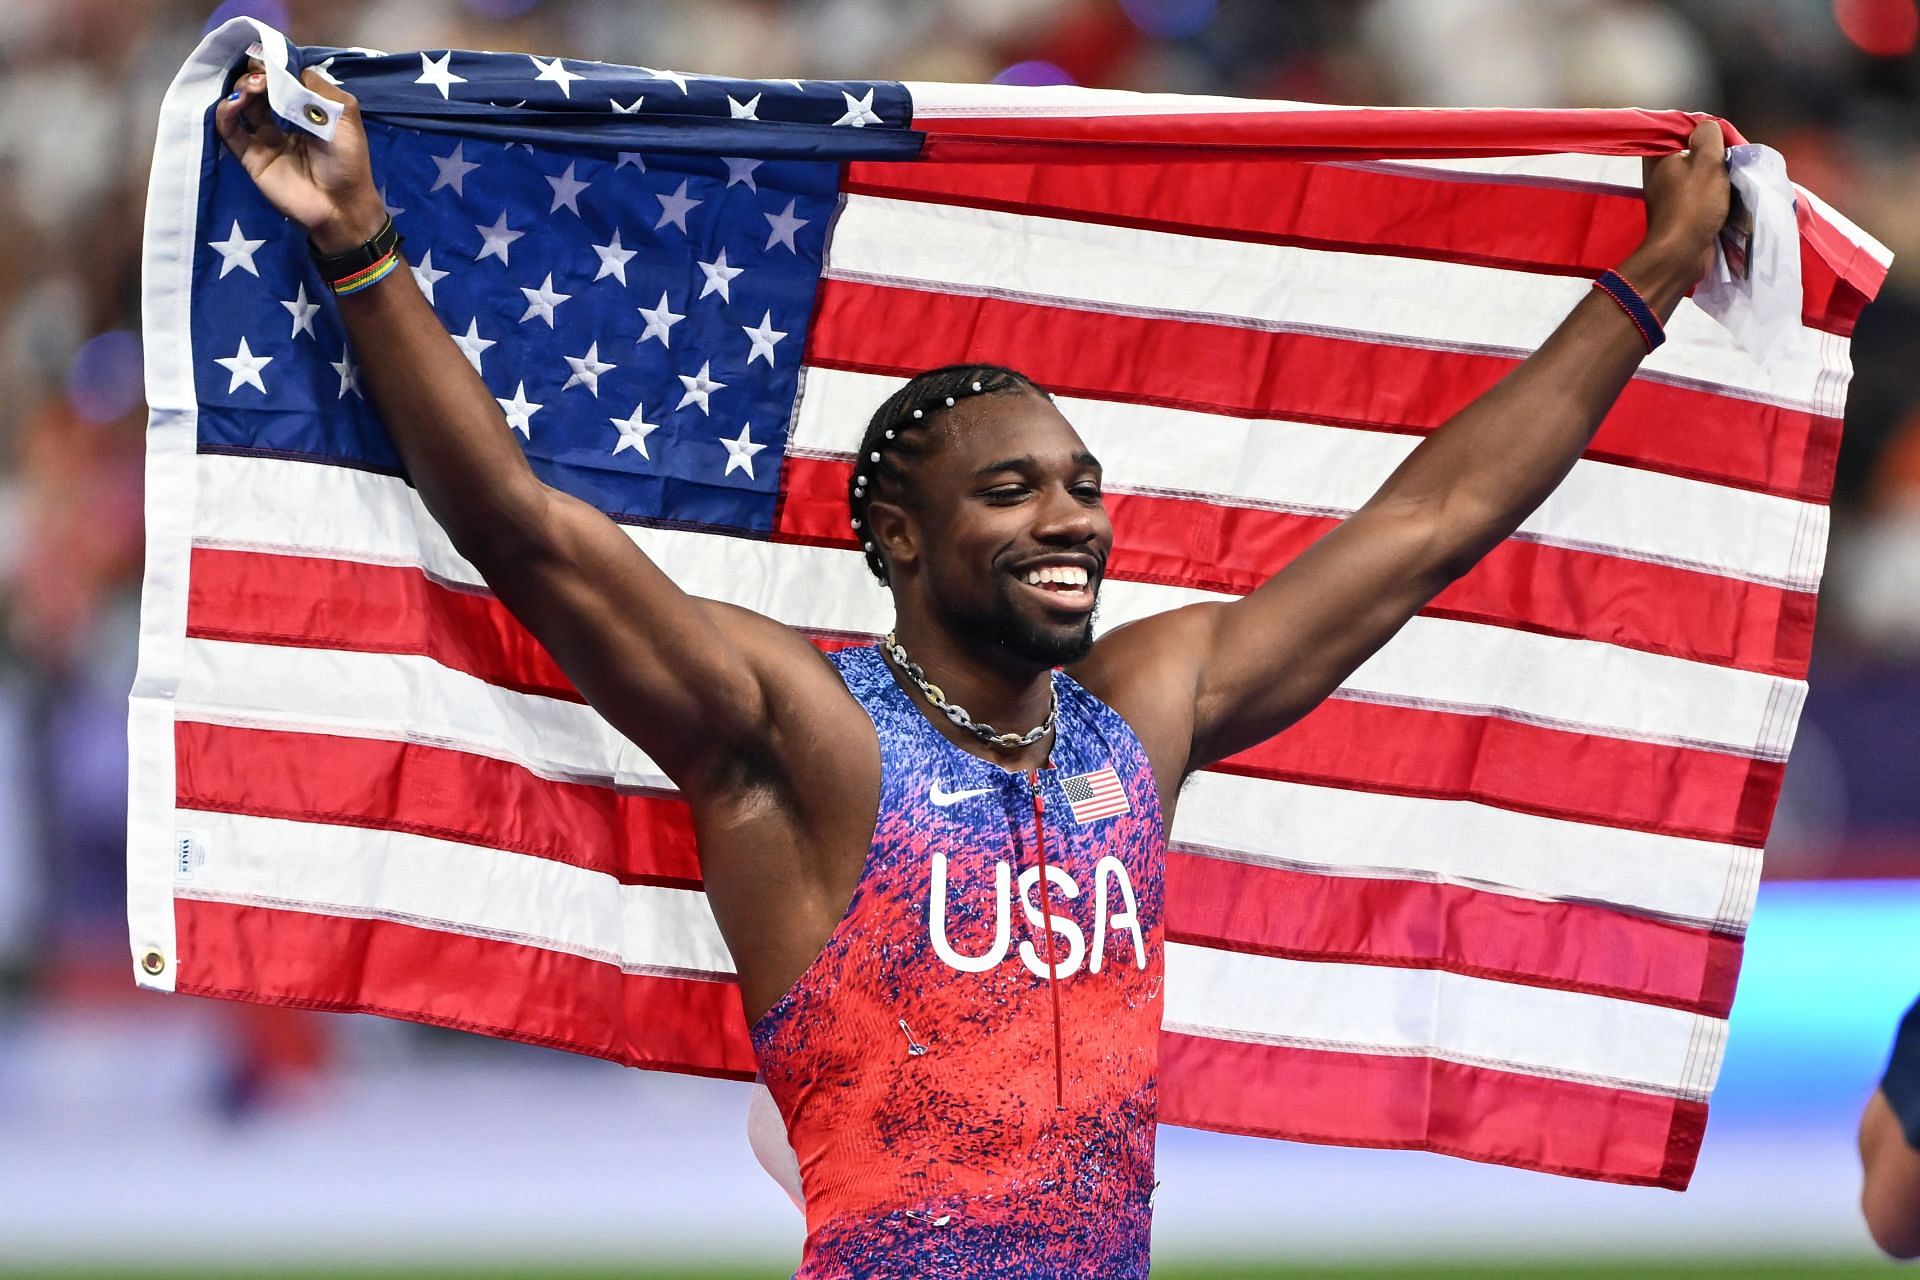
column 326, row 187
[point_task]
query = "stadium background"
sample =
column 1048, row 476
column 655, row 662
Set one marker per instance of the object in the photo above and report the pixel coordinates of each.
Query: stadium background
column 155, row 1136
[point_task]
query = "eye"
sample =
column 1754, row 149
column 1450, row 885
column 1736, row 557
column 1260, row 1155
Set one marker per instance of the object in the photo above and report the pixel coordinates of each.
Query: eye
column 1005, row 493
column 1087, row 491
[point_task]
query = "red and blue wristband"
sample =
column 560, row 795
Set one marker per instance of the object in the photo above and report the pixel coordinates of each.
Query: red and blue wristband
column 1617, row 287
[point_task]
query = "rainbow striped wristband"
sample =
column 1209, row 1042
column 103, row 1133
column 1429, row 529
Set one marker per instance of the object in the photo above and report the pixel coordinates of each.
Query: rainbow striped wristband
column 372, row 275
column 1621, row 291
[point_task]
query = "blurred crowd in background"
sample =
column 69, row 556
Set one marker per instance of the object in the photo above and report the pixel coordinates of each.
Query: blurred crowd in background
column 1833, row 84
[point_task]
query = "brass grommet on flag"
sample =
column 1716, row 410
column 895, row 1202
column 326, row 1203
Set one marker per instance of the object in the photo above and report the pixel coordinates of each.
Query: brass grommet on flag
column 154, row 963
column 315, row 114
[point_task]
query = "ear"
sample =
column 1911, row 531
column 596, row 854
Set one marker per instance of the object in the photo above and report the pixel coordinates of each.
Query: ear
column 896, row 532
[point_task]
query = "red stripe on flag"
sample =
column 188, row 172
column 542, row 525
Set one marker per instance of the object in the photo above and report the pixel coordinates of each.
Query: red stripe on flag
column 1345, row 743
column 432, row 791
column 1511, row 223
column 1425, row 1104
column 1368, row 746
column 1189, row 542
column 1192, row 364
column 1375, row 132
column 504, row 989
column 1412, row 924
column 312, row 602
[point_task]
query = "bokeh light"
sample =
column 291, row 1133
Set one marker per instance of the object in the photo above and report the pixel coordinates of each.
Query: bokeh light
column 104, row 379
column 1171, row 19
column 1034, row 71
column 1883, row 28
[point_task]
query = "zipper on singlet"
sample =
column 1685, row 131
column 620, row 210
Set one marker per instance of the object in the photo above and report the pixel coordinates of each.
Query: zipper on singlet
column 1046, row 929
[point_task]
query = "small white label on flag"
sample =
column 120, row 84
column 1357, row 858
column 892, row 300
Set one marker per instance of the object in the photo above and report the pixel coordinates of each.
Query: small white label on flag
column 1096, row 795
column 189, row 853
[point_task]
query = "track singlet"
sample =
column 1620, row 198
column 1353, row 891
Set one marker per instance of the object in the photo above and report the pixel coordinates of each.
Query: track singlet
column 957, row 1111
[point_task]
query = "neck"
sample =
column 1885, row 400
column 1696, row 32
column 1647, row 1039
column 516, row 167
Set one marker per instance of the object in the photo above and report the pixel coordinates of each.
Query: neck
column 1011, row 693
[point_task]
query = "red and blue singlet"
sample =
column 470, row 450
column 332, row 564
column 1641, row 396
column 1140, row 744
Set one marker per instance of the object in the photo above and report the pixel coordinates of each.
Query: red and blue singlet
column 967, row 1070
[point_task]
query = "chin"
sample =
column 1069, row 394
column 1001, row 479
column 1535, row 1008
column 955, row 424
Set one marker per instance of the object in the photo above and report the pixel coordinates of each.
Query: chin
column 1043, row 641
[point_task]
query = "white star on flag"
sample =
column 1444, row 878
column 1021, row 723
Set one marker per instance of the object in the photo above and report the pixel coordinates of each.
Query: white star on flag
column 719, row 276
column 453, row 169
column 386, row 201
column 748, row 110
column 740, row 451
column 497, row 238
column 439, row 74
column 859, row 110
column 700, row 388
column 784, row 224
column 349, row 375
column 613, row 258
column 763, row 339
column 519, row 410
column 587, row 370
column 680, row 81
column 674, row 207
column 660, row 320
column 628, row 110
column 426, row 275
column 634, row 431
column 566, row 191
column 471, row 344
column 302, row 312
column 541, row 302
column 633, row 158
column 742, row 171
column 557, row 72
column 236, row 251
column 246, row 366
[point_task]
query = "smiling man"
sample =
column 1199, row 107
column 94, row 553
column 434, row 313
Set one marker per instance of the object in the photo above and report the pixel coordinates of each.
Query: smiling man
column 938, row 862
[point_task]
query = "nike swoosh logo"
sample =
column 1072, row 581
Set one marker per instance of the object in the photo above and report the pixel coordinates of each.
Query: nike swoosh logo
column 945, row 798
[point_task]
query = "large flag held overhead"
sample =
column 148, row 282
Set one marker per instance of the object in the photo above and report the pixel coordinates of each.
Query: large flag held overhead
column 1488, row 900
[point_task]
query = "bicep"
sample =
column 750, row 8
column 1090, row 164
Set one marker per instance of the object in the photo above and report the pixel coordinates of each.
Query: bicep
column 1272, row 656
column 657, row 662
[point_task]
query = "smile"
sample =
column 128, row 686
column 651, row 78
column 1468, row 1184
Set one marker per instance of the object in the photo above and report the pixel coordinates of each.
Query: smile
column 1063, row 586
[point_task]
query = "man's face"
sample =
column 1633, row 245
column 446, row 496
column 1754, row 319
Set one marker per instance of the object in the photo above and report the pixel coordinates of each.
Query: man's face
column 1014, row 533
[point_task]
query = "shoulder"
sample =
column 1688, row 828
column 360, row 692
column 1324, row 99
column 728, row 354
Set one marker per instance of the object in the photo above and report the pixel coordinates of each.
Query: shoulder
column 1149, row 673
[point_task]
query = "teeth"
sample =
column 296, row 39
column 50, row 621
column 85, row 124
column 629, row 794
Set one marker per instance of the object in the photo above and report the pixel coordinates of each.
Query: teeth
column 1065, row 575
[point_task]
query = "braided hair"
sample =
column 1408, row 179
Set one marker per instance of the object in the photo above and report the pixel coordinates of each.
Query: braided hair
column 897, row 436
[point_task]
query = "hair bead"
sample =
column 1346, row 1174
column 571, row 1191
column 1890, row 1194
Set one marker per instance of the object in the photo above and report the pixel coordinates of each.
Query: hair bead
column 949, row 402
column 976, row 387
column 856, row 522
column 919, row 413
column 874, row 456
column 889, row 433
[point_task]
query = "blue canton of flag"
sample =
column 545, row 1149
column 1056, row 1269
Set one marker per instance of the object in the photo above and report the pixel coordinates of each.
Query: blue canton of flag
column 629, row 261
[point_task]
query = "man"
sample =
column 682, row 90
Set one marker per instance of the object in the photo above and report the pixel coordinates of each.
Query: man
column 970, row 1089
column 1890, row 1148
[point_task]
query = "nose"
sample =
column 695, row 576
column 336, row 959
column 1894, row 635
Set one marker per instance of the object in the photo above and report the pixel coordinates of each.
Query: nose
column 1066, row 521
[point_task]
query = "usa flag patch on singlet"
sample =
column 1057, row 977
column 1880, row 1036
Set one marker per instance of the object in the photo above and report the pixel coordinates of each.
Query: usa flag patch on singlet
column 1095, row 795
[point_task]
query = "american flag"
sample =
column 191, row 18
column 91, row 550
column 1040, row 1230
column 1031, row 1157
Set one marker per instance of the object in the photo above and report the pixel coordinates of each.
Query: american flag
column 1488, row 900
column 1096, row 795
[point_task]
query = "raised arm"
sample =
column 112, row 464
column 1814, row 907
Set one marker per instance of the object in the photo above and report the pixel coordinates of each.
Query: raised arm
column 688, row 680
column 1245, row 670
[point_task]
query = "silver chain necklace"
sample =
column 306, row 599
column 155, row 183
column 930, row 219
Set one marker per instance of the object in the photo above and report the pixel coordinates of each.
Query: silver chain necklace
column 958, row 714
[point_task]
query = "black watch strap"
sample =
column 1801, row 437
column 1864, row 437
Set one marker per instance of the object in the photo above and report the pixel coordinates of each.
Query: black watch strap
column 335, row 267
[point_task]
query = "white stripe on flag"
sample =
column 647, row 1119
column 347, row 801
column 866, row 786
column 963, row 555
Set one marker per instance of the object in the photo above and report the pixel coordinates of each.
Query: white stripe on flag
column 1376, row 1009
column 456, row 888
column 1335, row 831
